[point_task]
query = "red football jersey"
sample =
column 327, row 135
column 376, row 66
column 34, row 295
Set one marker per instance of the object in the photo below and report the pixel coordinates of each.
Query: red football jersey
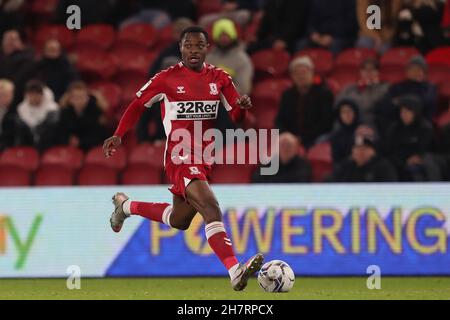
column 189, row 101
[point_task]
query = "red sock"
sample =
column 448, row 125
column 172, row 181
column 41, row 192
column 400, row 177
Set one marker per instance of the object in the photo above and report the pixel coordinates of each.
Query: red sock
column 221, row 245
column 155, row 211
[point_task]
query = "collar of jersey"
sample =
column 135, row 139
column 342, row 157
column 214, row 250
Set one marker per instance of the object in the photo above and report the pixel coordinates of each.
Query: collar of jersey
column 195, row 72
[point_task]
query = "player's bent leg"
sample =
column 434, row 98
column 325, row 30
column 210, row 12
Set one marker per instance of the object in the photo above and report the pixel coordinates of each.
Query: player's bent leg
column 182, row 214
column 202, row 198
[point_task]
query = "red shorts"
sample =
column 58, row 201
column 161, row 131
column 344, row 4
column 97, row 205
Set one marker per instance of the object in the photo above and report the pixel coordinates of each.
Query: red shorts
column 180, row 175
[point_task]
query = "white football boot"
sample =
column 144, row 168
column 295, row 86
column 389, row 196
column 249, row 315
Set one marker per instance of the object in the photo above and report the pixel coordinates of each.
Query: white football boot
column 118, row 216
column 244, row 271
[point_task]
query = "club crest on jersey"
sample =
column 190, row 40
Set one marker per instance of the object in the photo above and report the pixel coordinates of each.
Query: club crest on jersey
column 180, row 89
column 213, row 89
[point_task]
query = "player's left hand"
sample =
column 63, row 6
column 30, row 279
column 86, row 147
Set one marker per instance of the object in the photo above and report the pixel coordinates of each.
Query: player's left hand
column 244, row 102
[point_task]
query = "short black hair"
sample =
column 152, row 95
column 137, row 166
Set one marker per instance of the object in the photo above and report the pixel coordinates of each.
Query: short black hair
column 194, row 29
column 35, row 86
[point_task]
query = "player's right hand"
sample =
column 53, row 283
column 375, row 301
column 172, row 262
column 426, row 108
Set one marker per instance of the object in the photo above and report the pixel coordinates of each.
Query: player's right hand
column 110, row 145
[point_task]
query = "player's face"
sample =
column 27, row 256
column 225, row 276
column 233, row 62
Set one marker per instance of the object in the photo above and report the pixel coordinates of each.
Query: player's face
column 193, row 50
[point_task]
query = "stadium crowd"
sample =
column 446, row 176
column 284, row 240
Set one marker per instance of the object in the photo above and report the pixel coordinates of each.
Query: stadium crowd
column 352, row 104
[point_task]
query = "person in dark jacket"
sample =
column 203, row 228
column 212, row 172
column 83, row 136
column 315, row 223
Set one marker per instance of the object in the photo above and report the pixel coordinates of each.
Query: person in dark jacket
column 54, row 69
column 331, row 24
column 416, row 83
column 409, row 143
column 16, row 61
column 365, row 165
column 292, row 168
column 306, row 109
column 81, row 122
column 343, row 137
column 7, row 116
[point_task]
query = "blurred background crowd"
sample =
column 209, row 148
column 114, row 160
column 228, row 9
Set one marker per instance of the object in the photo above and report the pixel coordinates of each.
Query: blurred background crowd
column 352, row 104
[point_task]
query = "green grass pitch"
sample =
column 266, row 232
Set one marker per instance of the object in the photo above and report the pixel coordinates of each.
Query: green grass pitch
column 219, row 288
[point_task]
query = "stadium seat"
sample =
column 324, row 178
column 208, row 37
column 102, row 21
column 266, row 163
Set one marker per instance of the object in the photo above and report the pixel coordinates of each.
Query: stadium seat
column 44, row 8
column 130, row 82
column 208, row 6
column 134, row 60
column 444, row 90
column 265, row 119
column 165, row 38
column 24, row 157
column 439, row 57
column 111, row 92
column 95, row 156
column 231, row 173
column 392, row 74
column 142, row 34
column 99, row 35
column 63, row 156
column 54, row 175
column 148, row 154
column 321, row 160
column 351, row 59
column 398, row 57
column 323, row 59
column 97, row 175
column 443, row 119
column 267, row 93
column 270, row 62
column 438, row 74
column 94, row 64
column 58, row 32
column 140, row 174
column 13, row 176
column 345, row 78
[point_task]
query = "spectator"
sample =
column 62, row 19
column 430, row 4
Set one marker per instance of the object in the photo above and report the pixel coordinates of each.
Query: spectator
column 283, row 22
column 378, row 39
column 343, row 137
column 82, row 123
column 230, row 55
column 306, row 109
column 419, row 25
column 7, row 116
column 446, row 22
column 171, row 55
column 10, row 15
column 365, row 165
column 16, row 61
column 37, row 115
column 415, row 84
column 231, row 9
column 54, row 69
column 292, row 169
column 409, row 143
column 368, row 92
column 331, row 25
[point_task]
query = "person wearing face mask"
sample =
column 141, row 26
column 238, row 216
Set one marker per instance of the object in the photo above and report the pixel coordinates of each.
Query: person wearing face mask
column 82, row 121
column 37, row 116
column 54, row 69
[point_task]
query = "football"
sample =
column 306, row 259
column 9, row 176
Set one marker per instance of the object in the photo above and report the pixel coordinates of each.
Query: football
column 276, row 276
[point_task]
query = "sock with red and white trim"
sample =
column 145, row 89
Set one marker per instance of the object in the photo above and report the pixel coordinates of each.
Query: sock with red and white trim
column 221, row 245
column 155, row 211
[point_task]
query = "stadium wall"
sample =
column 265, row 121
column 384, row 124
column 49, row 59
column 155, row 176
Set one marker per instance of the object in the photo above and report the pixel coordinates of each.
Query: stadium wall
column 319, row 229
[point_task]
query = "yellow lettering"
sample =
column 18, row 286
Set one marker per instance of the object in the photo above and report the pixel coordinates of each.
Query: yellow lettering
column 440, row 245
column 2, row 234
column 288, row 231
column 328, row 232
column 194, row 237
column 374, row 222
column 157, row 233
column 356, row 230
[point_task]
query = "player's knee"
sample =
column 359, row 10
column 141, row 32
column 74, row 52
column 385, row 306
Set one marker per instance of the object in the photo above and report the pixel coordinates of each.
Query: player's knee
column 181, row 225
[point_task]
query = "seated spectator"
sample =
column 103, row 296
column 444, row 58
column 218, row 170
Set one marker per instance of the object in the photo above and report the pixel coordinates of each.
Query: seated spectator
column 54, row 68
column 419, row 25
column 368, row 92
column 365, row 165
column 416, row 83
column 16, row 61
column 229, row 55
column 331, row 25
column 82, row 123
column 409, row 143
column 378, row 39
column 171, row 55
column 231, row 9
column 343, row 137
column 306, row 109
column 37, row 114
column 283, row 22
column 292, row 168
column 11, row 14
column 7, row 116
